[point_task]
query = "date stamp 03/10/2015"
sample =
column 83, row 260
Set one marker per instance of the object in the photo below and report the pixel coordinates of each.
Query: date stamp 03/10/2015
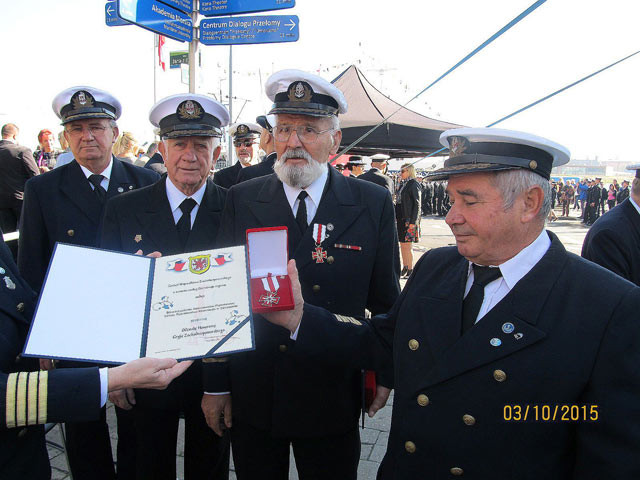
column 550, row 413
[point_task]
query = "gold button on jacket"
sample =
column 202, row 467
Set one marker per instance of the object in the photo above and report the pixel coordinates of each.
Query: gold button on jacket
column 423, row 400
column 457, row 471
column 315, row 288
column 414, row 344
column 283, row 348
column 70, row 233
column 410, row 447
column 20, row 307
column 468, row 420
column 499, row 375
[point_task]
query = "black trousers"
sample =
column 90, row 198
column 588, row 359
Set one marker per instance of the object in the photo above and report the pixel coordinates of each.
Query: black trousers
column 257, row 455
column 206, row 456
column 89, row 448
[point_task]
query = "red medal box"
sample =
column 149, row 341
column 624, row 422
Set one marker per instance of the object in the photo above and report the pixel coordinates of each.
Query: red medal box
column 270, row 285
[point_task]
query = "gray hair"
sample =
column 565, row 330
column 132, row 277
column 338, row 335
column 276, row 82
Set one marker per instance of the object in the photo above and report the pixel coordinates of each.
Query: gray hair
column 511, row 183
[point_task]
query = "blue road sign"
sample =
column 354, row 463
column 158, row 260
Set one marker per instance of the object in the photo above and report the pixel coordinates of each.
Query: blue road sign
column 251, row 29
column 158, row 18
column 185, row 6
column 212, row 8
column 111, row 17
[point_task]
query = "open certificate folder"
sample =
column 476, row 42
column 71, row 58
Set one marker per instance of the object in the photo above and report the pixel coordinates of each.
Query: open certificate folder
column 109, row 307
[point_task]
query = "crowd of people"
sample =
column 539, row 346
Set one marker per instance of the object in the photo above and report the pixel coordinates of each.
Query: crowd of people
column 491, row 327
column 589, row 196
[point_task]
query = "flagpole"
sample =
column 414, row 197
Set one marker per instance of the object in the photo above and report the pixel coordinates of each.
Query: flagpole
column 155, row 50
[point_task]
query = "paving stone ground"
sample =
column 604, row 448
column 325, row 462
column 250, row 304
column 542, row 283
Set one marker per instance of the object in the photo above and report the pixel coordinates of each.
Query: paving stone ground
column 434, row 233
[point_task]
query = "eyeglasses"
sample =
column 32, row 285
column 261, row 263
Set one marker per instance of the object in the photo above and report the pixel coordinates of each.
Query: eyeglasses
column 78, row 131
column 243, row 144
column 305, row 134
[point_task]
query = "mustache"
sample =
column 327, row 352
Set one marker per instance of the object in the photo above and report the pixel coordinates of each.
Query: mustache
column 296, row 153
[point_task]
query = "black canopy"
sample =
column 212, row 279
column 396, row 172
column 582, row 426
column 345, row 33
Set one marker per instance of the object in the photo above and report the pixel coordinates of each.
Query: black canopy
column 406, row 134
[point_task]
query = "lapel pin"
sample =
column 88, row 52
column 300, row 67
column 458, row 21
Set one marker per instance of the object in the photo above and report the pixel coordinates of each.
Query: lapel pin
column 120, row 189
column 330, row 227
column 518, row 335
column 508, row 327
column 2, row 271
column 495, row 342
column 9, row 283
column 130, row 187
column 138, row 238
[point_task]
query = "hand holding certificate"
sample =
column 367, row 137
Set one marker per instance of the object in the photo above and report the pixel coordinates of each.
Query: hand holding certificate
column 103, row 306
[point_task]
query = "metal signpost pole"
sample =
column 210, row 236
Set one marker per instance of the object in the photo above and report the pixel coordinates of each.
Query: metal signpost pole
column 193, row 48
column 230, row 140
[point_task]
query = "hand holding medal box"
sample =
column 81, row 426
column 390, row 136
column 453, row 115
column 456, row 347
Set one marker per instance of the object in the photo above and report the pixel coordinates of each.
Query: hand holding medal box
column 270, row 284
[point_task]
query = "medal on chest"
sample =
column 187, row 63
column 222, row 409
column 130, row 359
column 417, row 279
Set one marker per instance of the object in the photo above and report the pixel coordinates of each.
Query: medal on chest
column 319, row 254
column 271, row 286
column 9, row 283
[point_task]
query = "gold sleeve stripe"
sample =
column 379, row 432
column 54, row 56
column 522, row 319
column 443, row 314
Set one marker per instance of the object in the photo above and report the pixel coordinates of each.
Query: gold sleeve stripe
column 21, row 400
column 10, row 401
column 344, row 319
column 43, row 385
column 32, row 399
column 215, row 360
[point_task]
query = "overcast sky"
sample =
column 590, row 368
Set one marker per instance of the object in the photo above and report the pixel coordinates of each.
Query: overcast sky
column 401, row 47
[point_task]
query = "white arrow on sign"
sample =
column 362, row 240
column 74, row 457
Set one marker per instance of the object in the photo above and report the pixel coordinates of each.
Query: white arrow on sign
column 109, row 11
column 292, row 24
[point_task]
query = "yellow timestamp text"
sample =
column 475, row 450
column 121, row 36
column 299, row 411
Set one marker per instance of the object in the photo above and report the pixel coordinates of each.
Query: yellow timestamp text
column 550, row 413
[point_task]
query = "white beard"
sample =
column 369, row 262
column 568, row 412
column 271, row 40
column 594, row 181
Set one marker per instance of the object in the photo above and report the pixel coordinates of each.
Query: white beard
column 298, row 176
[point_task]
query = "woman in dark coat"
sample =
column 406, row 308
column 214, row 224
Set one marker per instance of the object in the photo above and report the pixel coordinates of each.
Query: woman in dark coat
column 408, row 216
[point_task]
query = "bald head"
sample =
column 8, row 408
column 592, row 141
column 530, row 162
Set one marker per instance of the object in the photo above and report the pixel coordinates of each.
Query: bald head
column 10, row 131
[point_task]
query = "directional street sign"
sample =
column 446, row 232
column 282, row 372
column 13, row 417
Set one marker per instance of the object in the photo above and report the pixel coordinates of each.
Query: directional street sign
column 111, row 17
column 158, row 18
column 212, row 8
column 250, row 29
column 184, row 5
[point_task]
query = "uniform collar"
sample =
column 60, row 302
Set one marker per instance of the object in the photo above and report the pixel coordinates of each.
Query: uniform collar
column 106, row 173
column 176, row 197
column 314, row 190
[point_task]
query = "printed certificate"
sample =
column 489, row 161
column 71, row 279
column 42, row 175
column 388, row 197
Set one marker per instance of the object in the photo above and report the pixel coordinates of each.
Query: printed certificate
column 110, row 307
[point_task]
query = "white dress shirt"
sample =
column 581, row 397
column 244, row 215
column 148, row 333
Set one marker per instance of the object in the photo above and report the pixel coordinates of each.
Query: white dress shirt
column 313, row 199
column 176, row 197
column 512, row 272
column 106, row 173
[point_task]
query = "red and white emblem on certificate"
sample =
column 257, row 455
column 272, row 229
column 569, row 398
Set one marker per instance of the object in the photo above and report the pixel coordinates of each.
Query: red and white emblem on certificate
column 319, row 234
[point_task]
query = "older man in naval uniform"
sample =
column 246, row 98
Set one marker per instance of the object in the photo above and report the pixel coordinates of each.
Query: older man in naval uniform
column 500, row 368
column 342, row 233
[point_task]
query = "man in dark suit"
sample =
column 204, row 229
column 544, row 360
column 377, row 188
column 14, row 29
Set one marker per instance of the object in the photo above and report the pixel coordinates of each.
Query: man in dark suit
column 67, row 205
column 338, row 228
column 614, row 239
column 60, row 395
column 245, row 136
column 16, row 167
column 376, row 172
column 180, row 213
column 521, row 379
column 267, row 144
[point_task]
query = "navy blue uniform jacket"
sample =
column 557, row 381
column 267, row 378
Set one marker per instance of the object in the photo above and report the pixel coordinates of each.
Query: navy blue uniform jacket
column 614, row 242
column 562, row 351
column 28, row 400
column 60, row 206
column 271, row 390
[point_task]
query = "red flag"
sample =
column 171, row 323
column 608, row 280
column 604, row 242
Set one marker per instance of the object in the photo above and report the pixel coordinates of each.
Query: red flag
column 160, row 61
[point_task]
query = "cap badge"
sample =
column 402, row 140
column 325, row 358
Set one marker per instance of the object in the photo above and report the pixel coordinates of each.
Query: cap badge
column 300, row 92
column 82, row 99
column 242, row 130
column 190, row 110
column 457, row 146
column 533, row 164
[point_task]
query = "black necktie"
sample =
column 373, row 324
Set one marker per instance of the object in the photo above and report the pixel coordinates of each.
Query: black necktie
column 482, row 276
column 301, row 215
column 184, row 223
column 100, row 192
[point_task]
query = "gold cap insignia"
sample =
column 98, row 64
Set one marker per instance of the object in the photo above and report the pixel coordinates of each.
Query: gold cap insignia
column 300, row 92
column 190, row 110
column 457, row 146
column 533, row 164
column 242, row 130
column 82, row 99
